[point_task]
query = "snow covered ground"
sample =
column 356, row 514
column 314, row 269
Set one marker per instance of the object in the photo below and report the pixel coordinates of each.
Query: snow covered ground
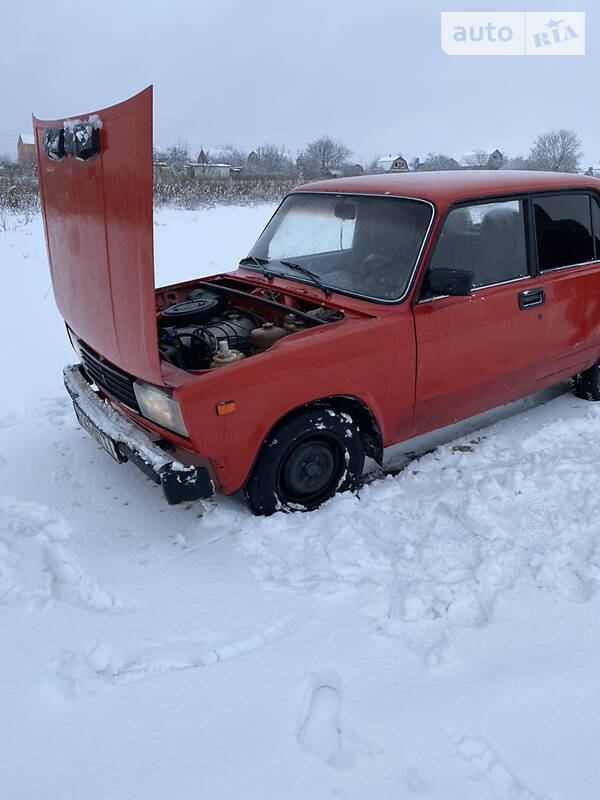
column 437, row 637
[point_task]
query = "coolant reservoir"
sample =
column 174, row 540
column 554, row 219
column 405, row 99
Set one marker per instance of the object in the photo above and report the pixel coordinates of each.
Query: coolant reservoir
column 262, row 338
column 225, row 356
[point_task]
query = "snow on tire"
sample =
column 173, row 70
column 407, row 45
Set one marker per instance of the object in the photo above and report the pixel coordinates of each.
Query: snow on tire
column 305, row 461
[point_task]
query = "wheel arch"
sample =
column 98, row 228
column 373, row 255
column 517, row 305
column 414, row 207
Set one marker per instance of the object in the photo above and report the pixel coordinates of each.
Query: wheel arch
column 362, row 415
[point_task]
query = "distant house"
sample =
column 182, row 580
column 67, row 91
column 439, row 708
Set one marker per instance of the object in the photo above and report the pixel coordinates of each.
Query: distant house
column 224, row 155
column 212, row 172
column 480, row 159
column 495, row 160
column 435, row 162
column 392, row 164
column 161, row 171
column 26, row 148
column 355, row 169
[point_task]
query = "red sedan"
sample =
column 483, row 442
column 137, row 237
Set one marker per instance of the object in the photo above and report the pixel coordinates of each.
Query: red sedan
column 370, row 310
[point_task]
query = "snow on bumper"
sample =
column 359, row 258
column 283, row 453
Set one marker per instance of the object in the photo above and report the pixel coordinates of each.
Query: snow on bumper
column 126, row 442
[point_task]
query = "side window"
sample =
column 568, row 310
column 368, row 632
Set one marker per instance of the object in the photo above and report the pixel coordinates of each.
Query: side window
column 488, row 239
column 596, row 225
column 563, row 230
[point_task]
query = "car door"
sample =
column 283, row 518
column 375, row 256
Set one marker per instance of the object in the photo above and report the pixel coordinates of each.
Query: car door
column 567, row 237
column 477, row 352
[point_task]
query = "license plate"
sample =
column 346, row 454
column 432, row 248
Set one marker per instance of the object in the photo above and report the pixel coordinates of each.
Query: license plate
column 105, row 441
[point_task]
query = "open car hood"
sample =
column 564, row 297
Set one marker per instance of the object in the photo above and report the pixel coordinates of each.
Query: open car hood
column 97, row 209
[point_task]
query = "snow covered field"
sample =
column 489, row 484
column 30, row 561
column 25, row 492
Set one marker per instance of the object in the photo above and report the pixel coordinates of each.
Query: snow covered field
column 436, row 638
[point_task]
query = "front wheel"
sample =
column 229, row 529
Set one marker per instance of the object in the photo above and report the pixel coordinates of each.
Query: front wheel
column 305, row 462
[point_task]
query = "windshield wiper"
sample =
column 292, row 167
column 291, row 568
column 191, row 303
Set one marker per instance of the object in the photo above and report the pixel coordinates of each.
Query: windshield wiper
column 309, row 274
column 253, row 261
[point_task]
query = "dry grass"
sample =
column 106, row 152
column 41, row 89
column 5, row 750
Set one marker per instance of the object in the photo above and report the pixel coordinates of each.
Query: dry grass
column 19, row 191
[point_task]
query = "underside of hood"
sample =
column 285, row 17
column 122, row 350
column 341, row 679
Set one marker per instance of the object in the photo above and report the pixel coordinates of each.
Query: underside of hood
column 95, row 175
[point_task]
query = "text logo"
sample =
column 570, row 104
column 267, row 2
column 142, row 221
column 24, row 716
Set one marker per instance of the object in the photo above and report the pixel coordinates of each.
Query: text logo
column 513, row 33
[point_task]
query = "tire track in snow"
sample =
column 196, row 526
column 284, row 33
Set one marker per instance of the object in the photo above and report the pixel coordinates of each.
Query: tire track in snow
column 112, row 665
column 438, row 545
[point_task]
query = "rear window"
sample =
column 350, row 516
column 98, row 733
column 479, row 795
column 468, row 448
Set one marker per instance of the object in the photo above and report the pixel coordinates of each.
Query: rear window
column 563, row 227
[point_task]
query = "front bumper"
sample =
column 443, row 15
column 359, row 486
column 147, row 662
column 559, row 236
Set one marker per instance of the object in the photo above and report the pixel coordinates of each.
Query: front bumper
column 125, row 441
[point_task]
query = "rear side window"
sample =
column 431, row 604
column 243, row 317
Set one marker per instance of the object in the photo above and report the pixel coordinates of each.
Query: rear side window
column 596, row 225
column 563, row 229
column 488, row 239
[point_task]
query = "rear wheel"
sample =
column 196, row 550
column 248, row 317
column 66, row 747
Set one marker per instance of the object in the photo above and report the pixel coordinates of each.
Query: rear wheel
column 587, row 383
column 305, row 462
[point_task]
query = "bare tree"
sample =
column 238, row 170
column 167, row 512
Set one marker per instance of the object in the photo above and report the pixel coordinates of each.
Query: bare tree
column 228, row 154
column 323, row 155
column 270, row 159
column 372, row 168
column 481, row 158
column 231, row 155
column 515, row 162
column 175, row 156
column 18, row 187
column 558, row 150
column 438, row 161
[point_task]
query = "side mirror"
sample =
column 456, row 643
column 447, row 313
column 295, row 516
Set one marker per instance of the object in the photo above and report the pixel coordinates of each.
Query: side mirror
column 344, row 210
column 453, row 282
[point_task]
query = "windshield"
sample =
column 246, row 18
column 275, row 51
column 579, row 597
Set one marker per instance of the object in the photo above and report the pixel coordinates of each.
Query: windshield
column 359, row 244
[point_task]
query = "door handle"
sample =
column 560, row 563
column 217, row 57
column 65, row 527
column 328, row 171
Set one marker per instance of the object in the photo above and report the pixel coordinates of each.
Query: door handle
column 531, row 297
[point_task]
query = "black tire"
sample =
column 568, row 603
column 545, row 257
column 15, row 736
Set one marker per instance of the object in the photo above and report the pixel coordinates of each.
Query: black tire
column 306, row 461
column 587, row 383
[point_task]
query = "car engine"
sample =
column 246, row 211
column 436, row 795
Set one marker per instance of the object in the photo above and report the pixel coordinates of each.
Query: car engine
column 212, row 328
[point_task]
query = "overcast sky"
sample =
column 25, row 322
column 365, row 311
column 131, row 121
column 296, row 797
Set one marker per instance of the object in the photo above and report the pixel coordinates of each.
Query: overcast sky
column 370, row 72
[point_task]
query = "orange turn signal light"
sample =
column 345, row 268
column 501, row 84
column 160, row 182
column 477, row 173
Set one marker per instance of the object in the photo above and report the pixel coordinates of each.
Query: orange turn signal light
column 226, row 407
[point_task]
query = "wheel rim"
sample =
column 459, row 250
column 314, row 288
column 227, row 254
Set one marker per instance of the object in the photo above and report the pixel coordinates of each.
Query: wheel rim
column 310, row 471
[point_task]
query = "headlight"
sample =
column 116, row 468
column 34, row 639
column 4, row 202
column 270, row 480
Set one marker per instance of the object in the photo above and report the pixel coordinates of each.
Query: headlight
column 158, row 405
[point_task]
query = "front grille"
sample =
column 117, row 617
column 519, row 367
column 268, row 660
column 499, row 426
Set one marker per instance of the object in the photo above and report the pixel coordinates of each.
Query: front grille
column 113, row 381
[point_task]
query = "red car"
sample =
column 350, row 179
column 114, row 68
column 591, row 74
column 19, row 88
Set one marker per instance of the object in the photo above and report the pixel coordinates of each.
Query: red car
column 370, row 310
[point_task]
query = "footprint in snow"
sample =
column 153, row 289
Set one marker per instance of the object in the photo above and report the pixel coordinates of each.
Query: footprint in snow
column 71, row 585
column 416, row 781
column 37, row 568
column 320, row 730
column 487, row 765
column 9, row 420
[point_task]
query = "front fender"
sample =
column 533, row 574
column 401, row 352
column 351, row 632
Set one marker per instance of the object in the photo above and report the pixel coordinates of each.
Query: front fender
column 370, row 360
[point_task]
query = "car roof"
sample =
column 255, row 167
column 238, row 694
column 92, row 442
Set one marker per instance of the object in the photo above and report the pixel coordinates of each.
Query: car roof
column 445, row 187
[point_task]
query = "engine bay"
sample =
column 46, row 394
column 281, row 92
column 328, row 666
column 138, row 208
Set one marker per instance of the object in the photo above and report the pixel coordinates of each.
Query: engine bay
column 211, row 325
